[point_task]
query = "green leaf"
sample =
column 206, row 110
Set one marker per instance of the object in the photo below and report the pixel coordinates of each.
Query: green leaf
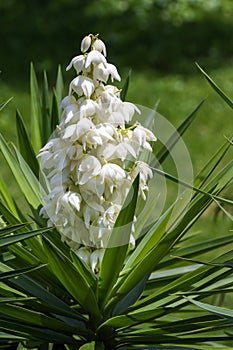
column 54, row 113
column 125, row 87
column 45, row 111
column 6, row 197
column 70, row 277
column 216, row 88
column 25, row 146
column 16, row 273
column 150, row 240
column 22, row 173
column 88, row 346
column 59, row 86
column 32, row 287
column 15, row 312
column 8, row 216
column 204, row 174
column 4, row 104
column 220, row 311
column 11, row 229
column 35, row 111
column 34, row 332
column 116, row 251
column 175, row 137
column 148, row 262
column 8, row 240
column 84, row 270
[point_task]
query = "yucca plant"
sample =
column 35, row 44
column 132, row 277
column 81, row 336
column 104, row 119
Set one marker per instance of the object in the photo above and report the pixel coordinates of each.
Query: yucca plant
column 58, row 293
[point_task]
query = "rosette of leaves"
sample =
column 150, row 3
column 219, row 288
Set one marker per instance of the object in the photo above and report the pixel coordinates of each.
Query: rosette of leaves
column 156, row 296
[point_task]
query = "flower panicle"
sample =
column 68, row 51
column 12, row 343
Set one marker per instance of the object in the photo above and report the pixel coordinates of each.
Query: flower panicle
column 86, row 162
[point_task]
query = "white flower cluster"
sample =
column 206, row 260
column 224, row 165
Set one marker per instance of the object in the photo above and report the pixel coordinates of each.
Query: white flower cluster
column 87, row 162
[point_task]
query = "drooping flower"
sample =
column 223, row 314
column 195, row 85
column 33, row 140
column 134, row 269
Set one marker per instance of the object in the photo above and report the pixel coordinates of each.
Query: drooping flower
column 87, row 162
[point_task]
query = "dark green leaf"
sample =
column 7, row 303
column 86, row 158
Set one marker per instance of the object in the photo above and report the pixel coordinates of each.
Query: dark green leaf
column 25, row 146
column 125, row 87
column 3, row 105
column 165, row 150
column 16, row 273
column 7, row 240
column 45, row 111
column 70, row 277
column 114, row 255
column 216, row 88
column 35, row 111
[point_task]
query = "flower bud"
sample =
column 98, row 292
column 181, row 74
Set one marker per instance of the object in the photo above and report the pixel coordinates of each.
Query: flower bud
column 85, row 44
column 100, row 46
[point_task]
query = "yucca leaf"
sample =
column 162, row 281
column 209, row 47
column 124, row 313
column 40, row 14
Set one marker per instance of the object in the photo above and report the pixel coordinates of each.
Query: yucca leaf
column 34, row 332
column 125, row 87
column 88, row 346
column 8, row 240
column 14, row 299
column 35, row 111
column 8, row 216
column 151, row 238
column 6, row 197
column 34, row 288
column 22, row 173
column 115, row 253
column 45, row 111
column 31, row 317
column 220, row 311
column 65, row 271
column 4, row 104
column 84, row 270
column 25, row 146
column 59, row 86
column 175, row 137
column 197, row 249
column 215, row 87
column 204, row 276
column 11, row 229
column 131, row 297
column 54, row 113
column 204, row 174
column 16, row 273
column 148, row 263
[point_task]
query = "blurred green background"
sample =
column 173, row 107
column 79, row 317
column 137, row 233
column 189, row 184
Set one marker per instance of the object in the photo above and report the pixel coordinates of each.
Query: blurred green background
column 160, row 40
column 160, row 35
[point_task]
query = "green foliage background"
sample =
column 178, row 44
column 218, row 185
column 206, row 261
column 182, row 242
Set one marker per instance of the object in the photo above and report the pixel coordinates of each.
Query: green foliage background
column 162, row 35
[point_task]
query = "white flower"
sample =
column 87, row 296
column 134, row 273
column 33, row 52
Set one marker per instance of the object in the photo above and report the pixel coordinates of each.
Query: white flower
column 82, row 86
column 141, row 135
column 88, row 168
column 100, row 46
column 113, row 72
column 84, row 253
column 118, row 151
column 69, row 200
column 78, row 63
column 103, row 70
column 145, row 174
column 88, row 107
column 111, row 174
column 100, row 73
column 94, row 57
column 86, row 43
column 128, row 109
column 96, row 259
column 76, row 131
column 70, row 108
